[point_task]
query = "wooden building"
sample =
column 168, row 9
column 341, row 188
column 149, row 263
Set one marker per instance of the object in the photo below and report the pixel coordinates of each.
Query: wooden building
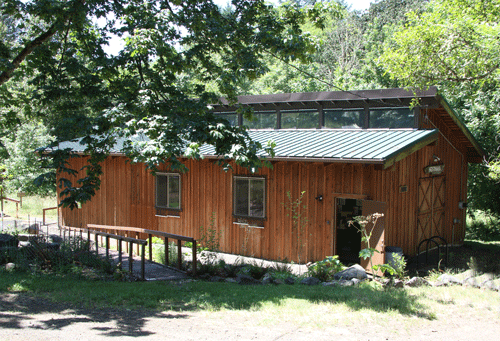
column 346, row 153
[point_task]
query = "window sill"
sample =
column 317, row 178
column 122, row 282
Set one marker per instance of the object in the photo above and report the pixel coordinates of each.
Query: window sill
column 244, row 225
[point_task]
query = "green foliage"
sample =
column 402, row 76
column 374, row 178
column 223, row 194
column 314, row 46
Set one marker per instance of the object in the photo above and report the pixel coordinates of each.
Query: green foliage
column 22, row 163
column 454, row 40
column 399, row 266
column 70, row 257
column 326, row 268
column 179, row 58
column 159, row 253
column 482, row 226
column 210, row 237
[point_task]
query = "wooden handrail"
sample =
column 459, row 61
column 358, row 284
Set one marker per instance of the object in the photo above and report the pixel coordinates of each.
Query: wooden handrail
column 141, row 242
column 150, row 233
column 12, row 200
column 141, row 230
column 47, row 209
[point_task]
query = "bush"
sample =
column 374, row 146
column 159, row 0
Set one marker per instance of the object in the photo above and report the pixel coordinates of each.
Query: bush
column 482, row 226
column 325, row 269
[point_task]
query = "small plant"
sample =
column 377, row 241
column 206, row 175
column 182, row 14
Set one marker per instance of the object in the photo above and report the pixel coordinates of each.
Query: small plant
column 399, row 266
column 366, row 225
column 299, row 220
column 326, row 268
column 210, row 239
column 159, row 254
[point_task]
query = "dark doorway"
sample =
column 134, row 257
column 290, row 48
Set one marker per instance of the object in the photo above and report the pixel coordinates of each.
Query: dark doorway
column 348, row 237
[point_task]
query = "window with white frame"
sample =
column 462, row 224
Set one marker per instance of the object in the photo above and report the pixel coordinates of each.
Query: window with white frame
column 249, row 197
column 168, row 191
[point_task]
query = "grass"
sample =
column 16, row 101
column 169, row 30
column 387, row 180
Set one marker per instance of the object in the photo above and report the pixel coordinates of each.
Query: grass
column 304, row 306
column 32, row 206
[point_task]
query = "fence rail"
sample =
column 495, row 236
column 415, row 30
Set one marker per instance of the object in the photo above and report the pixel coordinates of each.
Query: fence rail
column 11, row 200
column 45, row 210
column 150, row 233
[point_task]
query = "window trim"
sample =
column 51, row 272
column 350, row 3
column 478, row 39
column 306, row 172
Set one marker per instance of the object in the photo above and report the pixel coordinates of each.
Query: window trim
column 250, row 178
column 168, row 176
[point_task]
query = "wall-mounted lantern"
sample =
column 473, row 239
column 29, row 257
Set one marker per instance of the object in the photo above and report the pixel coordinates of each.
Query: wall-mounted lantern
column 434, row 169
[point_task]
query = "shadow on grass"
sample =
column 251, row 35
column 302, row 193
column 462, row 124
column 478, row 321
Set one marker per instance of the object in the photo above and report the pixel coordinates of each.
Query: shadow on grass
column 68, row 301
column 44, row 311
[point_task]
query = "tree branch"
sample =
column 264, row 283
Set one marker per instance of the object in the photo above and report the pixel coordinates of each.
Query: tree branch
column 7, row 74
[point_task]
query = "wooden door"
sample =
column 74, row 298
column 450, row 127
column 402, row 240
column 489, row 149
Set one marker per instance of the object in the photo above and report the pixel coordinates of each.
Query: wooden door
column 431, row 202
column 378, row 234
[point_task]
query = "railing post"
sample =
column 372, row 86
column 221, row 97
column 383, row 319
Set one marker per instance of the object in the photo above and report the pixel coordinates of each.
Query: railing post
column 179, row 254
column 96, row 243
column 137, row 247
column 107, row 247
column 130, row 258
column 119, row 253
column 194, row 257
column 166, row 251
column 150, row 247
column 143, row 260
column 88, row 238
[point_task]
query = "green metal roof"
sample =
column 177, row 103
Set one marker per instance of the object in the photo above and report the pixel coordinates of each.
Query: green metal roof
column 340, row 145
column 381, row 146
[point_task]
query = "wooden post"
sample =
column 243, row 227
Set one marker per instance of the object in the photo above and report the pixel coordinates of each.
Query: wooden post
column 88, row 238
column 194, row 257
column 137, row 247
column 130, row 258
column 143, row 260
column 150, row 247
column 107, row 247
column 120, row 253
column 96, row 243
column 166, row 251
column 179, row 254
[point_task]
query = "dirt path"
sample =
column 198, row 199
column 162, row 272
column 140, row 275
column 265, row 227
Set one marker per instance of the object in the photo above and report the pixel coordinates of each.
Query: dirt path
column 23, row 317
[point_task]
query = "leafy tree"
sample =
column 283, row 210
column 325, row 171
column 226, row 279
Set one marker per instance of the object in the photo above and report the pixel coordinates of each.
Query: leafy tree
column 454, row 44
column 22, row 164
column 80, row 91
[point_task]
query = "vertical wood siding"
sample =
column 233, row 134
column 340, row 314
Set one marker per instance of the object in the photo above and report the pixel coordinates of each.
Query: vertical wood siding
column 127, row 198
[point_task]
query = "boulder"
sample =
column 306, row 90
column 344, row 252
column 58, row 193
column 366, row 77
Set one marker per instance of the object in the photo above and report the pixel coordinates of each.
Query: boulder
column 445, row 280
column 355, row 271
column 310, row 281
column 267, row 279
column 10, row 266
column 416, row 282
column 247, row 280
column 330, row 284
column 290, row 281
column 216, row 279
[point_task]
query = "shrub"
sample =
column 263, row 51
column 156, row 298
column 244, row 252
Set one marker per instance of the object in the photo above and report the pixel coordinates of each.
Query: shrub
column 325, row 269
column 482, row 226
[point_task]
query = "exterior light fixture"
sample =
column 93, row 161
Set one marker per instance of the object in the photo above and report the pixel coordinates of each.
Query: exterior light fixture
column 319, row 198
column 434, row 169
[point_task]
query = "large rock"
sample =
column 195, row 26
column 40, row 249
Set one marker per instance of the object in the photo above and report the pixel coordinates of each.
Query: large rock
column 355, row 271
column 445, row 280
column 247, row 280
column 310, row 281
column 416, row 282
column 267, row 279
